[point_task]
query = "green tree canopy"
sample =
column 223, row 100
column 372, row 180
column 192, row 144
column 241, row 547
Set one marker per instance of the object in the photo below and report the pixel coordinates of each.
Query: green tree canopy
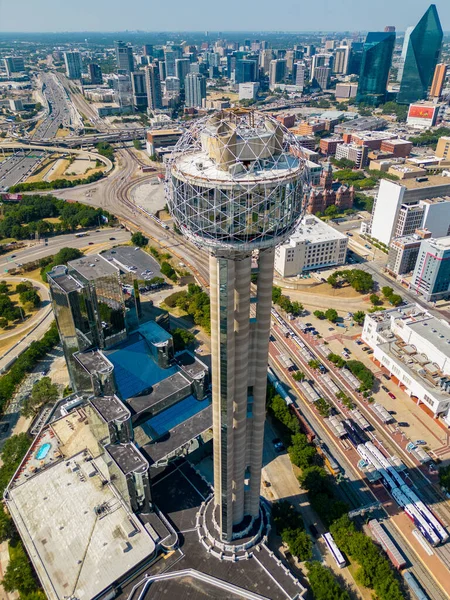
column 139, row 239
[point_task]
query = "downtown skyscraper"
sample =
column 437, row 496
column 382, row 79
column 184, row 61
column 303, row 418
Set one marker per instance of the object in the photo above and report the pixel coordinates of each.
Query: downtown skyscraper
column 375, row 65
column 420, row 56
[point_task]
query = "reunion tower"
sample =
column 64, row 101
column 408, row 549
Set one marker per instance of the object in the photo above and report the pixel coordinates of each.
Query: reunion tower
column 234, row 187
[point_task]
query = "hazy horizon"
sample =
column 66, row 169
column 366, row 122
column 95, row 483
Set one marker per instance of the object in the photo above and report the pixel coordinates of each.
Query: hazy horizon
column 109, row 16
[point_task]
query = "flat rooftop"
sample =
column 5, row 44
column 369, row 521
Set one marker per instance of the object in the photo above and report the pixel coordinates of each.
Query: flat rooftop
column 77, row 551
column 110, row 408
column 190, row 364
column 435, row 331
column 127, row 457
column 312, row 229
column 130, row 260
column 432, row 181
column 94, row 361
column 93, row 266
column 167, row 387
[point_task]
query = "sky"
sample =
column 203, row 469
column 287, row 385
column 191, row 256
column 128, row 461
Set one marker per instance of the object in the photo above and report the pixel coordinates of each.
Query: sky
column 213, row 15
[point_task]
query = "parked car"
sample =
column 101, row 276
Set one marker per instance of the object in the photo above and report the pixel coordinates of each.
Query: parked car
column 384, row 388
column 365, row 348
column 278, row 445
column 391, row 395
column 420, row 443
column 386, row 376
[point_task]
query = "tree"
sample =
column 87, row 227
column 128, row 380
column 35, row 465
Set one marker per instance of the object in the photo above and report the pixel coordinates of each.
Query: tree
column 66, row 254
column 168, row 271
column 301, row 453
column 395, row 300
column 137, row 144
column 182, row 338
column 7, row 528
column 319, row 314
column 314, row 363
column 375, row 299
column 299, row 544
column 139, row 239
column 286, row 517
column 43, row 392
column 387, row 291
column 331, row 315
column 315, row 480
column 359, row 317
column 323, row 583
column 298, row 376
column 276, row 294
column 30, row 298
column 297, row 308
column 3, row 323
column 19, row 573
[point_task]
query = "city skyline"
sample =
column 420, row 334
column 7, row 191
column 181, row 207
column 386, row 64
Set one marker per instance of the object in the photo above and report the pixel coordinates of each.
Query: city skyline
column 109, row 18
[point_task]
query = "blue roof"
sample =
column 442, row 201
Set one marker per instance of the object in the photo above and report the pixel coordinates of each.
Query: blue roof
column 135, row 370
column 174, row 415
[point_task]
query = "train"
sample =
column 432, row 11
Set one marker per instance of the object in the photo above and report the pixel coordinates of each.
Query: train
column 419, row 513
column 415, row 588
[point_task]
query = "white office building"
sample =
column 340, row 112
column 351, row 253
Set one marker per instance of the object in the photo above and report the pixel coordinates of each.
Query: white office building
column 248, row 90
column 313, row 245
column 397, row 212
column 414, row 347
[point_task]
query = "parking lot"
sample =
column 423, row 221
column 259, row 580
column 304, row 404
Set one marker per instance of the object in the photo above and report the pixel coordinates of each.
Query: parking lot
column 137, row 262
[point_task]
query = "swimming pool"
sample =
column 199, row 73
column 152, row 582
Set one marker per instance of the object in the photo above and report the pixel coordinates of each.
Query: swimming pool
column 43, row 451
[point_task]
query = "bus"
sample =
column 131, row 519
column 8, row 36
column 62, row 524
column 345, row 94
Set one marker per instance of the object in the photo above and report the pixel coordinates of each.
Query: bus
column 337, row 555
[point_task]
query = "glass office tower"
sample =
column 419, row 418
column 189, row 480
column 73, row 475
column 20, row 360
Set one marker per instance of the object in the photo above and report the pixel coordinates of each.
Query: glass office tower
column 375, row 66
column 420, row 55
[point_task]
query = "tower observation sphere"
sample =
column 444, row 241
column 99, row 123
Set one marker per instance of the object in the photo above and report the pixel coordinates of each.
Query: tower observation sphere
column 234, row 186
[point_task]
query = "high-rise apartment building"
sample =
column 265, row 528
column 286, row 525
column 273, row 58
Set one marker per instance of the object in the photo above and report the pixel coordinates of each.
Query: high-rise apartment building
column 195, row 89
column 437, row 85
column 13, row 64
column 153, row 84
column 341, row 59
column 420, row 55
column 431, row 276
column 322, row 77
column 95, row 74
column 221, row 202
column 277, row 72
column 300, row 75
column 171, row 53
column 124, row 57
column 182, row 68
column 321, row 60
column 147, row 49
column 74, row 65
column 139, row 87
column 265, row 57
column 375, row 66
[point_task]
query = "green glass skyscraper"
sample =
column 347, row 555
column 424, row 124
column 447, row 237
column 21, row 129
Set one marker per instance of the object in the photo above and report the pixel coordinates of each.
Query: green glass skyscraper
column 420, row 54
column 375, row 65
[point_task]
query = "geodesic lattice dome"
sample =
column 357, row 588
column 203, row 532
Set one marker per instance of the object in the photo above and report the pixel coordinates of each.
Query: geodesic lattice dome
column 234, row 181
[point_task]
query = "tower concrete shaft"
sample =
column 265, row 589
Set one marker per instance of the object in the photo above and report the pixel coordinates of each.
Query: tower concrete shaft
column 240, row 329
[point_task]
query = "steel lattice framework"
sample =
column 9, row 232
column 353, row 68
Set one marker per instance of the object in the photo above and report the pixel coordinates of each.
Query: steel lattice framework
column 235, row 181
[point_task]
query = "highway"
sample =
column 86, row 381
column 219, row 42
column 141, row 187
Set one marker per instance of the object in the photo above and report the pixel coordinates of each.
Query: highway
column 17, row 167
column 37, row 250
column 61, row 111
